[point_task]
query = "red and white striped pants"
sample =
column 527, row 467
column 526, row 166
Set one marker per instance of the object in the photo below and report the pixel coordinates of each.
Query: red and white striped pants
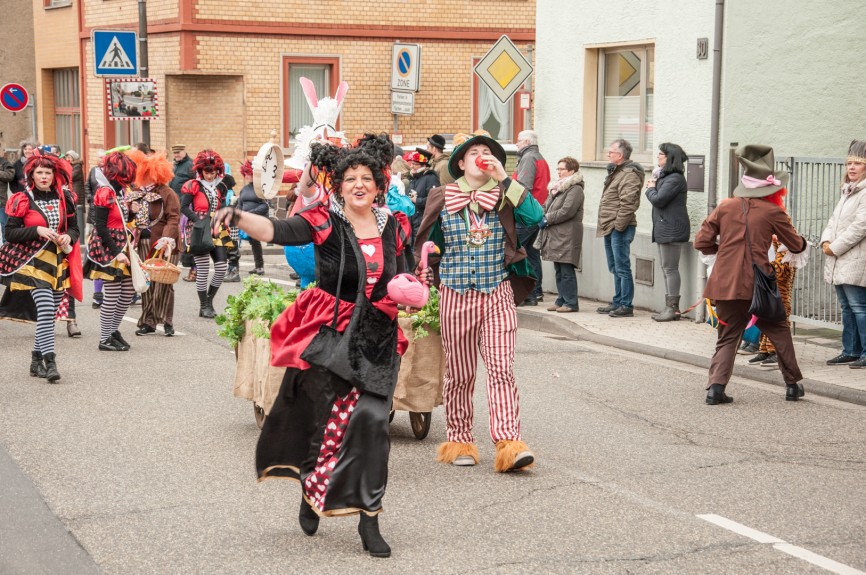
column 471, row 322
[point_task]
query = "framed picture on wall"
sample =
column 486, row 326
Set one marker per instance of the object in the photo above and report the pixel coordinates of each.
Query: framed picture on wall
column 131, row 99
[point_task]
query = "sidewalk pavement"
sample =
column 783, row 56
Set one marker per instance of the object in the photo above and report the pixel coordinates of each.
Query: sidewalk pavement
column 688, row 342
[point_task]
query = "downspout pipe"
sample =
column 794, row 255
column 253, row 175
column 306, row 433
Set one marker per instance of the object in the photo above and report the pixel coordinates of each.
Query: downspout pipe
column 712, row 179
column 715, row 109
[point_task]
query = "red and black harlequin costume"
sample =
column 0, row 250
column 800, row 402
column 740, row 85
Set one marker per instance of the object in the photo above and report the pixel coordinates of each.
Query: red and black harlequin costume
column 109, row 240
column 329, row 436
column 34, row 270
column 198, row 200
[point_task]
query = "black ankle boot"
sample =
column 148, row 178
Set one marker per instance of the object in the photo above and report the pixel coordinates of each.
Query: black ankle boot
column 204, row 309
column 716, row 395
column 308, row 518
column 211, row 292
column 51, row 373
column 37, row 368
column 119, row 339
column 794, row 391
column 371, row 539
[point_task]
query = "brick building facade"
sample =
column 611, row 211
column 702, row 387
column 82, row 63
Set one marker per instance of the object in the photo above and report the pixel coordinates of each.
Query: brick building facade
column 223, row 68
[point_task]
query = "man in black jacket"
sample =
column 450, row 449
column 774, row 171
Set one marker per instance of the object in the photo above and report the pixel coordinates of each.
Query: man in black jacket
column 182, row 168
column 183, row 172
column 422, row 181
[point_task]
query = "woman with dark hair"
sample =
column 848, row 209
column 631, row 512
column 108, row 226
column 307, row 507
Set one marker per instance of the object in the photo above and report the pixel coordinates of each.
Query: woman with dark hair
column 35, row 262
column 201, row 197
column 108, row 247
column 738, row 234
column 666, row 191
column 322, row 431
column 562, row 231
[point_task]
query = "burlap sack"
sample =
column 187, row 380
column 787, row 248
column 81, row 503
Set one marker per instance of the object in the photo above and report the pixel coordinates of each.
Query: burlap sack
column 255, row 378
column 245, row 353
column 419, row 384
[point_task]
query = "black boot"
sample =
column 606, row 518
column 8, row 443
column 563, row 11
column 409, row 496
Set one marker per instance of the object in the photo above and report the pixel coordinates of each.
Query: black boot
column 371, row 539
column 794, row 391
column 51, row 373
column 671, row 311
column 204, row 310
column 37, row 368
column 308, row 518
column 211, row 292
column 124, row 345
column 716, row 395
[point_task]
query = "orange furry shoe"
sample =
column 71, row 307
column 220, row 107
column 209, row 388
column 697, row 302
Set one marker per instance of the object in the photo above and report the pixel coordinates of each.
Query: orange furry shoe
column 511, row 455
column 462, row 454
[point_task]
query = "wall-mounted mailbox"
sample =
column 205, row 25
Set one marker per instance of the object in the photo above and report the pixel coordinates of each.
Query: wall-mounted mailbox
column 695, row 174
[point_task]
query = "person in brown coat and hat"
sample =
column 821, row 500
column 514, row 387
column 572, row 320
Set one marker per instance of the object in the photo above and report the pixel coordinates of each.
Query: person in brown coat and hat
column 739, row 233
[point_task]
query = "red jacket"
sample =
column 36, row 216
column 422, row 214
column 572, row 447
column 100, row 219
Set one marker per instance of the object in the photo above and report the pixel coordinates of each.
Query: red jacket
column 533, row 173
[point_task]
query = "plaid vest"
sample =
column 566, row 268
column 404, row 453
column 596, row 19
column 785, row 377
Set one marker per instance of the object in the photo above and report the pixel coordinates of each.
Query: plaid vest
column 465, row 267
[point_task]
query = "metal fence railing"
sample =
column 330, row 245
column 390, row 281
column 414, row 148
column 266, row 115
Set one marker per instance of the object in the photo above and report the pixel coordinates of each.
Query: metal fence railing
column 813, row 193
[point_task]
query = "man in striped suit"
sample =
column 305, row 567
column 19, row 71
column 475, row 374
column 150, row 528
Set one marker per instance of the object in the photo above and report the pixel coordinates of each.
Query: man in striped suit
column 482, row 273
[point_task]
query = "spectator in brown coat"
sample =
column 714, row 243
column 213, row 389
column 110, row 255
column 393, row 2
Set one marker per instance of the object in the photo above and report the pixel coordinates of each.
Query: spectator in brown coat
column 617, row 224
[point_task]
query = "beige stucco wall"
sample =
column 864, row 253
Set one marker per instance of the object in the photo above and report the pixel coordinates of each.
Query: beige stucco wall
column 793, row 78
column 16, row 65
column 567, row 29
column 57, row 49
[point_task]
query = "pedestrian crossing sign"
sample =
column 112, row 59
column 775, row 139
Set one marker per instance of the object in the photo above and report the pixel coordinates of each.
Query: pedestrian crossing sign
column 115, row 52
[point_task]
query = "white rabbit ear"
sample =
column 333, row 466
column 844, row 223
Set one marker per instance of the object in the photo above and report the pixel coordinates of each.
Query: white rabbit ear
column 309, row 92
column 341, row 92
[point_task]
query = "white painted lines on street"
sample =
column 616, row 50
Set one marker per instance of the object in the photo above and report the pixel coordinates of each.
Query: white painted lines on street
column 780, row 545
column 158, row 328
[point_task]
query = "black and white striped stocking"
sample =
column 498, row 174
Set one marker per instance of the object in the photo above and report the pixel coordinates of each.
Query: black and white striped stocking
column 46, row 301
column 117, row 296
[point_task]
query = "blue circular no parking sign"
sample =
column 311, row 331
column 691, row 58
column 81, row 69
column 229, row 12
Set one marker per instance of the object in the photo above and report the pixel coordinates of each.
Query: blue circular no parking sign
column 404, row 62
column 14, row 97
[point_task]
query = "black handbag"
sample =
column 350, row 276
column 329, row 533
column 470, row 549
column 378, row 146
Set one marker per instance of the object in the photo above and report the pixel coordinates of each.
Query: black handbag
column 365, row 354
column 766, row 300
column 200, row 238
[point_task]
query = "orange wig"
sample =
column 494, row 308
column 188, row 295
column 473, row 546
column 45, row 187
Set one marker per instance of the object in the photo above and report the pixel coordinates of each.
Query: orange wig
column 777, row 198
column 151, row 169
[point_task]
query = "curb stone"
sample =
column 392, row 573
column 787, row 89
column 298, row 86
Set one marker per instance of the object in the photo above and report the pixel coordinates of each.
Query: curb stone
column 543, row 322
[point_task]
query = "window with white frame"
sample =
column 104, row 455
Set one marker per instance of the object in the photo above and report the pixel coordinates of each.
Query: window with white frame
column 67, row 109
column 299, row 111
column 626, row 82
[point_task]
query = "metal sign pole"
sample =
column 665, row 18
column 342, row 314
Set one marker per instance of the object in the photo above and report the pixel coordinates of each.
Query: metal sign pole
column 33, row 117
column 143, row 70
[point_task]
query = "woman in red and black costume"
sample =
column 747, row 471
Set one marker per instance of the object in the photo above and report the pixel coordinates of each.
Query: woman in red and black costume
column 199, row 198
column 40, row 258
column 108, row 247
column 321, row 431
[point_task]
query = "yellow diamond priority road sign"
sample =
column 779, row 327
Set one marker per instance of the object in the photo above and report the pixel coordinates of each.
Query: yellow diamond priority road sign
column 503, row 69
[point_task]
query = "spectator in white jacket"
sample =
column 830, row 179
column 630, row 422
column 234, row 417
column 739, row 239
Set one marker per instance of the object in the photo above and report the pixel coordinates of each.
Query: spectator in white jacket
column 844, row 244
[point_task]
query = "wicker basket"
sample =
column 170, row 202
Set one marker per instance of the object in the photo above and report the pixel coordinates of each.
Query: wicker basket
column 160, row 269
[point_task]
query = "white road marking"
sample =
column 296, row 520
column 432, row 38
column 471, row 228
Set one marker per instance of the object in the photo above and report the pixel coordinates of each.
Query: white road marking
column 158, row 328
column 779, row 544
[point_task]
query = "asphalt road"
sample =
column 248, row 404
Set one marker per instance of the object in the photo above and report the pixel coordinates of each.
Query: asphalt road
column 146, row 459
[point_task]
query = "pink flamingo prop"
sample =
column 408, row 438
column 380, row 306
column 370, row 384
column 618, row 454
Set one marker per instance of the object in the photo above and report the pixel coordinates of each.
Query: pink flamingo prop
column 406, row 289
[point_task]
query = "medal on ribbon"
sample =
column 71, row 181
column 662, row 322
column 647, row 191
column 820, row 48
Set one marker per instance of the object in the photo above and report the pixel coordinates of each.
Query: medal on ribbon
column 479, row 231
